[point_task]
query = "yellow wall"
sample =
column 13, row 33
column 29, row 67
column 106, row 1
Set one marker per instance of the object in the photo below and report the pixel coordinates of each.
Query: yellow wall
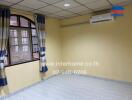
column 24, row 75
column 53, row 43
column 109, row 44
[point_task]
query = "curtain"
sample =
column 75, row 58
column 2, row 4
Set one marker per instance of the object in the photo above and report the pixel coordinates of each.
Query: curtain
column 40, row 27
column 4, row 30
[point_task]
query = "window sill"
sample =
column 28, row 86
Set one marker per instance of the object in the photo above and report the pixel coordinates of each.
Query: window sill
column 22, row 63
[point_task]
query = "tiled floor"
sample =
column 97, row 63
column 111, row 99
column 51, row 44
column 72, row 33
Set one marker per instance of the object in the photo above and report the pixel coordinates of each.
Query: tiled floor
column 75, row 87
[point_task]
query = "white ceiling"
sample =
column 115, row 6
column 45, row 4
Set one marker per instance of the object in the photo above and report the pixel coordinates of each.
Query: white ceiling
column 55, row 8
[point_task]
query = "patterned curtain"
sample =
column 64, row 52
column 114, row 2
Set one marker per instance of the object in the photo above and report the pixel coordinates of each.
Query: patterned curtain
column 40, row 27
column 4, row 30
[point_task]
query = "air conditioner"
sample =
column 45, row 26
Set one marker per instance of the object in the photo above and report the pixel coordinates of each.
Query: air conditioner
column 101, row 18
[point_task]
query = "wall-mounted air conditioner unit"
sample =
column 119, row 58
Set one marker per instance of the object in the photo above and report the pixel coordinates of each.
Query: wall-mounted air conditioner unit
column 101, row 18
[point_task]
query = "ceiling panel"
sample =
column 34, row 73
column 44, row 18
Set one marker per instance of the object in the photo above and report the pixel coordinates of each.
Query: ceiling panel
column 85, row 12
column 98, row 4
column 50, row 9
column 56, row 16
column 71, row 2
column 41, row 12
column 5, row 3
column 22, row 7
column 119, row 1
column 102, row 8
column 36, row 11
column 33, row 4
column 51, row 1
column 78, row 9
column 64, row 13
column 13, row 1
column 55, row 8
column 85, row 1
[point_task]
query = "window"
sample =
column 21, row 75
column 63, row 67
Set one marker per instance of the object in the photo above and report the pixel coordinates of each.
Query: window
column 23, row 41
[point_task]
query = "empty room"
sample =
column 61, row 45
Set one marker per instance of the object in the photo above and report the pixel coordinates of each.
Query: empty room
column 65, row 49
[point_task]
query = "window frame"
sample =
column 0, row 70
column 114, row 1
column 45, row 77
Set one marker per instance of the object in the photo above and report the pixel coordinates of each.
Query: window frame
column 30, row 22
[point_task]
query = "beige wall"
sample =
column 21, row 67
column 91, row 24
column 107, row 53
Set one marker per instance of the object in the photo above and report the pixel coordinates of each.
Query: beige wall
column 53, row 43
column 21, row 76
column 109, row 44
column 24, row 75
